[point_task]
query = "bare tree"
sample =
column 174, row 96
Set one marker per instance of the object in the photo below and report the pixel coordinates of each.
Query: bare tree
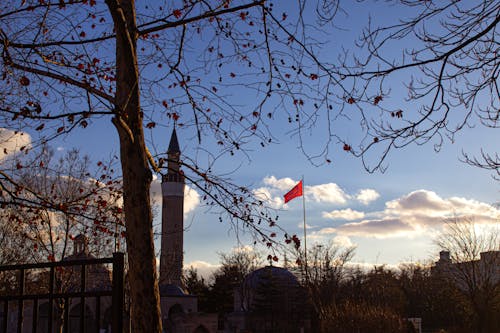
column 13, row 249
column 54, row 200
column 486, row 161
column 50, row 204
column 471, row 260
column 448, row 51
column 229, row 277
column 323, row 274
column 144, row 66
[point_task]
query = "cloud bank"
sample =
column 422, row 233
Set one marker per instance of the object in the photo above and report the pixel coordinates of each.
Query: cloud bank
column 412, row 215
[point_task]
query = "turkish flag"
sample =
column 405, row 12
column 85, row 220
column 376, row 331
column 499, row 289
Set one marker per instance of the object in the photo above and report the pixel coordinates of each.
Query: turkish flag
column 296, row 191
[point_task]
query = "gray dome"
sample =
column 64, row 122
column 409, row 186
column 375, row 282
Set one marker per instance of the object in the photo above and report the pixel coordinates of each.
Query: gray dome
column 280, row 276
column 171, row 290
column 264, row 284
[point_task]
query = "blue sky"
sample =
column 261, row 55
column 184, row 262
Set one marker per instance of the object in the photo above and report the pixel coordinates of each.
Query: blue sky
column 396, row 219
column 390, row 217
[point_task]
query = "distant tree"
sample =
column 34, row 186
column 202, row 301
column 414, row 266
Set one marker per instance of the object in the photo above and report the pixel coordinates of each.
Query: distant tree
column 431, row 298
column 358, row 316
column 323, row 274
column 196, row 285
column 365, row 301
column 51, row 201
column 474, row 258
column 234, row 267
column 382, row 288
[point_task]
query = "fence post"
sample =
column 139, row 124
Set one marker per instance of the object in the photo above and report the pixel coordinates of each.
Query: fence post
column 5, row 315
column 118, row 298
column 20, row 306
column 50, row 314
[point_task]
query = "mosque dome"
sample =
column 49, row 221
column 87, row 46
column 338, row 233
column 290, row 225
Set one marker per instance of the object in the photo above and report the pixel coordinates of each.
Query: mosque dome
column 278, row 275
column 270, row 299
column 267, row 284
column 171, row 290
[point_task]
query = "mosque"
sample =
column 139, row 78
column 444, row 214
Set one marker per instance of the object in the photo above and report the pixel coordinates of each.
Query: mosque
column 269, row 300
column 179, row 310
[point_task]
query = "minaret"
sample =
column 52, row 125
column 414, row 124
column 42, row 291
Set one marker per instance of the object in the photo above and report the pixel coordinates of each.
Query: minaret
column 172, row 188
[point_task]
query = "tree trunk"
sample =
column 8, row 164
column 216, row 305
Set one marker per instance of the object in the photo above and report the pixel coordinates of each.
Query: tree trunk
column 145, row 300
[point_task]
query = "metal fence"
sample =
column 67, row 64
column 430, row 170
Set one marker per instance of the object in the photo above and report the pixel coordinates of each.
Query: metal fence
column 31, row 294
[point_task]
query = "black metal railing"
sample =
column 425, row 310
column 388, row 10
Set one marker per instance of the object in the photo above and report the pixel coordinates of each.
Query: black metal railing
column 45, row 287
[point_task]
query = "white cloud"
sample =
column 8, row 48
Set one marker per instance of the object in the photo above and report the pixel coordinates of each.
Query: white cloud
column 274, row 189
column 243, row 249
column 283, row 184
column 321, row 236
column 326, row 231
column 388, row 227
column 365, row 196
column 408, row 216
column 327, row 193
column 269, row 196
column 308, row 226
column 343, row 241
column 155, row 191
column 369, row 266
column 12, row 141
column 191, row 196
column 343, row 214
column 205, row 269
column 191, row 199
column 416, row 213
column 426, row 208
column 419, row 201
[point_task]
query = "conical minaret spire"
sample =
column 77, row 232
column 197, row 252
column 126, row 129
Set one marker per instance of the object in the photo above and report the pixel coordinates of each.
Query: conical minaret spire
column 172, row 186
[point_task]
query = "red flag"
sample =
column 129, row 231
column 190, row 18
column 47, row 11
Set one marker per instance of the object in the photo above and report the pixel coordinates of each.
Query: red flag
column 296, row 191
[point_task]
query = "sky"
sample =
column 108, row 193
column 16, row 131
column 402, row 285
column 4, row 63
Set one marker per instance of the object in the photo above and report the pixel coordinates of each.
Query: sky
column 390, row 217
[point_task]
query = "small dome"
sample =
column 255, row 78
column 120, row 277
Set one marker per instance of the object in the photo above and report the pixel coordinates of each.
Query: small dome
column 280, row 276
column 171, row 290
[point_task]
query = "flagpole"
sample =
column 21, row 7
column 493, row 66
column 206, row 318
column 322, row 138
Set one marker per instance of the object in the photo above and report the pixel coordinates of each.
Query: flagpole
column 305, row 235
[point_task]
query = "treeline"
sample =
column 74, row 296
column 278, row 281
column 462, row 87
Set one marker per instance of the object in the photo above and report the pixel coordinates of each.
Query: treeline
column 343, row 298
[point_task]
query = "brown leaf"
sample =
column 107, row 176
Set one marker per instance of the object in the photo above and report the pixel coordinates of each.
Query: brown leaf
column 24, row 81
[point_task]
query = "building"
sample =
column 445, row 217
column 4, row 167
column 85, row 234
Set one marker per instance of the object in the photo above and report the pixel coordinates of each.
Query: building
column 179, row 310
column 270, row 299
column 478, row 282
column 66, row 280
column 485, row 270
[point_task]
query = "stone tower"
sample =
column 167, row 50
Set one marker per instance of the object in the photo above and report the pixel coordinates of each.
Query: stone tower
column 172, row 187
